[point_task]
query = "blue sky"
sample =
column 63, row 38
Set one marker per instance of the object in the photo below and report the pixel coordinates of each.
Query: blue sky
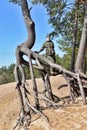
column 13, row 30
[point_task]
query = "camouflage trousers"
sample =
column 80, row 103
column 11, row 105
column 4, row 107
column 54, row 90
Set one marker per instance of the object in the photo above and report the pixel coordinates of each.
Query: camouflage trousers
column 52, row 59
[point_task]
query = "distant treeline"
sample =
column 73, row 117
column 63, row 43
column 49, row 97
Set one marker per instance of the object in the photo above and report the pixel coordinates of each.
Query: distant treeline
column 7, row 74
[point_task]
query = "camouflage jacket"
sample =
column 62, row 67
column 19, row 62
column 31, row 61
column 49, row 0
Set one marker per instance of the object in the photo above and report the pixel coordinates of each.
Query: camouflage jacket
column 49, row 46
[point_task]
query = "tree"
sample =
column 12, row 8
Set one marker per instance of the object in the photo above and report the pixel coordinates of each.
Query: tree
column 83, row 44
column 25, row 113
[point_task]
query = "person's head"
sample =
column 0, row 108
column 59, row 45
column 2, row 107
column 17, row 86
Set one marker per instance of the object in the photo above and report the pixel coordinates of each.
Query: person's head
column 48, row 37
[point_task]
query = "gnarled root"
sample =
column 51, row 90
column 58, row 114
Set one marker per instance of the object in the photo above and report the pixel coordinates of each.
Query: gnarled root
column 25, row 114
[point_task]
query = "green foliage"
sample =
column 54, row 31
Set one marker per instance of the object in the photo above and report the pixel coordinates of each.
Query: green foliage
column 15, row 1
column 64, row 61
column 27, row 72
column 4, row 78
column 55, row 10
column 6, row 74
column 37, row 74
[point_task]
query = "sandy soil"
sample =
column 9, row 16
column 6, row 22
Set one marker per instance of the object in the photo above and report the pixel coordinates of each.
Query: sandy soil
column 72, row 117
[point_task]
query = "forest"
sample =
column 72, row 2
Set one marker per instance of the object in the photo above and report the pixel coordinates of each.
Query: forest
column 7, row 75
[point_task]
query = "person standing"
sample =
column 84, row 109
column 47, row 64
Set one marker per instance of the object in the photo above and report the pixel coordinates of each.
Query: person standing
column 48, row 46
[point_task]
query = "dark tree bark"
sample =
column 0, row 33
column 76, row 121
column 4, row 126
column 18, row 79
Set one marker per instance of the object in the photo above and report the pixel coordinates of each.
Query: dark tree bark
column 74, row 39
column 28, row 43
column 21, row 82
column 30, row 29
column 30, row 25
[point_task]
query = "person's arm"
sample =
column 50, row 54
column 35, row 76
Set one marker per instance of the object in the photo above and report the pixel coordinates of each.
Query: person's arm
column 53, row 44
column 42, row 48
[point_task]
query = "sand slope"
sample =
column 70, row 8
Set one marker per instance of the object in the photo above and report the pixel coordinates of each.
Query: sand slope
column 73, row 117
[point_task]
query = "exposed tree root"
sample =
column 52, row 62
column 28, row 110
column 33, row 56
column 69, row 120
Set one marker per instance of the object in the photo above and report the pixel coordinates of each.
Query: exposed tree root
column 74, row 80
column 27, row 109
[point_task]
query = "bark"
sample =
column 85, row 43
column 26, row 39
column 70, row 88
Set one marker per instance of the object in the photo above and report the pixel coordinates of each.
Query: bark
column 74, row 39
column 30, row 25
column 83, row 45
column 33, row 82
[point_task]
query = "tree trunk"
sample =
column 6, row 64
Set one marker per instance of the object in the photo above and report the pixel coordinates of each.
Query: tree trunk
column 29, row 24
column 74, row 39
column 30, row 29
column 28, row 43
column 83, row 44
